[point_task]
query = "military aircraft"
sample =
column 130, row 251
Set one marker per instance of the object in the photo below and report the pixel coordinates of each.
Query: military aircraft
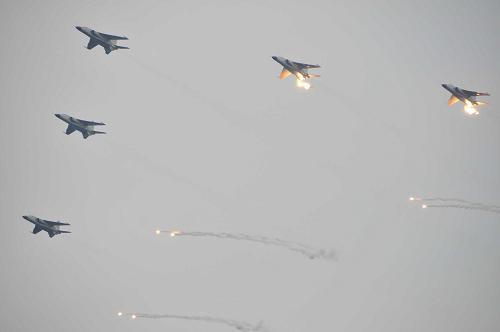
column 466, row 97
column 108, row 42
column 51, row 227
column 85, row 127
column 299, row 70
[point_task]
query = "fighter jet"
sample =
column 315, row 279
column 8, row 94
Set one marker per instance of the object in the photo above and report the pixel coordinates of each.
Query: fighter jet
column 296, row 68
column 466, row 97
column 85, row 127
column 99, row 38
column 51, row 227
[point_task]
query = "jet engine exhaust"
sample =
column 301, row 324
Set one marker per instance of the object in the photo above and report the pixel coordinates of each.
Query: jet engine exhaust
column 242, row 326
column 292, row 246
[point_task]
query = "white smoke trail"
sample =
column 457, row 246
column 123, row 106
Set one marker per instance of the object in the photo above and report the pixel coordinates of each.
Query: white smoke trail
column 462, row 206
column 456, row 203
column 242, row 326
column 292, row 246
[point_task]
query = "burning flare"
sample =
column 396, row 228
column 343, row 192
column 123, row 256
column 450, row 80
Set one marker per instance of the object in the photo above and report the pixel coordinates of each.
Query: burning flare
column 303, row 84
column 470, row 110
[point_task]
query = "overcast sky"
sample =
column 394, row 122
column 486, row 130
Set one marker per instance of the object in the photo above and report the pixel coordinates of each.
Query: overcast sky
column 203, row 136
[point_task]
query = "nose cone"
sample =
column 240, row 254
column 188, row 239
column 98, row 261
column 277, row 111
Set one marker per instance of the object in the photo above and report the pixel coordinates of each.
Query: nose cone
column 278, row 59
column 28, row 218
column 82, row 29
column 63, row 117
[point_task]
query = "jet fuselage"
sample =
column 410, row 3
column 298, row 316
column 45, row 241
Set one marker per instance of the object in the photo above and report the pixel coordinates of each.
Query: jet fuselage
column 85, row 127
column 466, row 97
column 96, row 36
column 293, row 69
column 77, row 123
column 51, row 227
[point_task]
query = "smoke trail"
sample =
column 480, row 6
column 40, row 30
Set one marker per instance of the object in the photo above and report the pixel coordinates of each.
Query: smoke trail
column 242, row 326
column 292, row 246
column 456, row 203
column 462, row 206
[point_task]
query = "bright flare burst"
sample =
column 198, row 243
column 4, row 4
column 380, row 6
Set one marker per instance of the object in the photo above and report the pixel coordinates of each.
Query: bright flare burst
column 158, row 232
column 303, row 84
column 470, row 110
column 120, row 313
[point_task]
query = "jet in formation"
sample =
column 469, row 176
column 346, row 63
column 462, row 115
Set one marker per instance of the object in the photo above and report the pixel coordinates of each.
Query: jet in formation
column 299, row 70
column 466, row 97
column 108, row 42
column 51, row 227
column 85, row 127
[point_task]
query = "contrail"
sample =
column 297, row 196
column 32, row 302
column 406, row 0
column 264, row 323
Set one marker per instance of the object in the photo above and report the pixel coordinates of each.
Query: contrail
column 292, row 246
column 242, row 326
column 455, row 203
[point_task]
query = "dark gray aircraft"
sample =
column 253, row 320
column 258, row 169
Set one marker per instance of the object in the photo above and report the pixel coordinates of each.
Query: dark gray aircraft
column 51, row 227
column 85, row 127
column 300, row 70
column 466, row 97
column 99, row 38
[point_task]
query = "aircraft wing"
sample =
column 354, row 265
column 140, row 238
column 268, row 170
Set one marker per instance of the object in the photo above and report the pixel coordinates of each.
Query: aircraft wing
column 284, row 74
column 70, row 129
column 37, row 229
column 452, row 100
column 111, row 37
column 92, row 43
column 305, row 65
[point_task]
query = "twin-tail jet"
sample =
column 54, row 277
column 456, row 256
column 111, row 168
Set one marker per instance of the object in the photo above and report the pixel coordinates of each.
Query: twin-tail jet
column 466, row 97
column 51, row 227
column 108, row 42
column 83, row 126
column 299, row 70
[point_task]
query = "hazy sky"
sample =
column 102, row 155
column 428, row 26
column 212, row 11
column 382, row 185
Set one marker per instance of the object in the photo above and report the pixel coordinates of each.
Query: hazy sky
column 203, row 136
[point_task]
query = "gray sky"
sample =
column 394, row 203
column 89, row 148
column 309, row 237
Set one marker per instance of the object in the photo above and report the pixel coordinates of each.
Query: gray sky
column 203, row 136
